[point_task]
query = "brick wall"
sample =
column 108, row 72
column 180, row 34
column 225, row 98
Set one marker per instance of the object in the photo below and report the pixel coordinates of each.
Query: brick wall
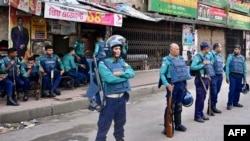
column 4, row 22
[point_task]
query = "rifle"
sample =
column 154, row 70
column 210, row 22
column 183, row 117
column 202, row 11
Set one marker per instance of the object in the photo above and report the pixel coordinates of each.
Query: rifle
column 169, row 117
column 51, row 77
column 14, row 81
column 98, row 80
column 38, row 89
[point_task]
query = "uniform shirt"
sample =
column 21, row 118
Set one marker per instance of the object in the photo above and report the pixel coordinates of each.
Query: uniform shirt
column 97, row 46
column 197, row 63
column 18, row 62
column 79, row 47
column 2, row 66
column 229, row 59
column 35, row 70
column 58, row 61
column 107, row 75
column 165, row 70
column 69, row 62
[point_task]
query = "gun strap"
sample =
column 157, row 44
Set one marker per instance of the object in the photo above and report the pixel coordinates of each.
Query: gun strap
column 204, row 86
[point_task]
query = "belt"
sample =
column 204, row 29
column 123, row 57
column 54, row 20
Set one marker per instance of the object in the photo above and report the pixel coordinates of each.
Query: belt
column 115, row 95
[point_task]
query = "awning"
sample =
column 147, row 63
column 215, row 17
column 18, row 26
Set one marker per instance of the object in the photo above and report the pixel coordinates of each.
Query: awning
column 81, row 13
column 120, row 8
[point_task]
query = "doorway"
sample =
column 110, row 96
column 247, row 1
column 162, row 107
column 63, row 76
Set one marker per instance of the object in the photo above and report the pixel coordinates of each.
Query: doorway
column 60, row 45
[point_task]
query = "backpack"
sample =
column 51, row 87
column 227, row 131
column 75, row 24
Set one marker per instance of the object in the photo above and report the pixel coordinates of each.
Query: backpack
column 195, row 72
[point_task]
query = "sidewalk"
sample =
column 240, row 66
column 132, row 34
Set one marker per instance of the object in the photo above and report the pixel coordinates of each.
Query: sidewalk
column 145, row 82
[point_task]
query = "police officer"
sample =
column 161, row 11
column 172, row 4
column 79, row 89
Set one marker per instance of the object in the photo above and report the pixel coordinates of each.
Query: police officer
column 236, row 72
column 216, row 80
column 71, row 66
column 6, row 85
column 13, row 67
column 79, row 47
column 99, row 52
column 114, row 73
column 202, row 63
column 173, row 75
column 52, row 69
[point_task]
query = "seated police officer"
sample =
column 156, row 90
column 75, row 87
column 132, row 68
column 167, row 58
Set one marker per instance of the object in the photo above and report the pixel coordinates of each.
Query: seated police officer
column 173, row 75
column 71, row 67
column 6, row 85
column 51, row 76
column 13, row 67
column 114, row 73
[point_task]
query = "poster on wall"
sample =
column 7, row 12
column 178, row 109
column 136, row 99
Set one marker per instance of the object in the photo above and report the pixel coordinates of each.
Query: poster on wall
column 188, row 41
column 247, row 36
column 35, row 7
column 19, row 27
column 212, row 14
column 20, row 4
column 185, row 8
column 38, row 28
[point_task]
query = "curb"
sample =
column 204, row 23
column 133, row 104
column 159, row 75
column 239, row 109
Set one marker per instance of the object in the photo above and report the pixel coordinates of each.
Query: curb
column 68, row 106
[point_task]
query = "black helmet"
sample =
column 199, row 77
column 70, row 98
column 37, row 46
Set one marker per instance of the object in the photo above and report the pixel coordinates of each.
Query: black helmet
column 245, row 88
column 187, row 99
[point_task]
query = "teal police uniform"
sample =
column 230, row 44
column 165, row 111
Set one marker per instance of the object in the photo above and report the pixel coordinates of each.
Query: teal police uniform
column 115, row 89
column 99, row 52
column 201, row 81
column 71, row 69
column 175, row 72
column 236, row 71
column 79, row 47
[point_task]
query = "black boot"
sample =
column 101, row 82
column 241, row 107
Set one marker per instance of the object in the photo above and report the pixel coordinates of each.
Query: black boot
column 44, row 94
column 177, row 118
column 11, row 102
column 25, row 97
column 57, row 92
column 215, row 110
column 51, row 94
column 3, row 94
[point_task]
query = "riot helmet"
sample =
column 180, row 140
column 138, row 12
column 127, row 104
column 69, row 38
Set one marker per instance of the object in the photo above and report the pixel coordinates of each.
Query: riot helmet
column 187, row 99
column 245, row 88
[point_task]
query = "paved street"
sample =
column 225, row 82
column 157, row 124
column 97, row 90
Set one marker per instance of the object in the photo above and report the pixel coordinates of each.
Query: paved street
column 144, row 122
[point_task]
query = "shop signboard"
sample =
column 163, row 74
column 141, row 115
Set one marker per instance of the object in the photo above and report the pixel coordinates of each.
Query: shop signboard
column 239, row 6
column 216, row 3
column 238, row 21
column 185, row 8
column 212, row 14
column 76, row 14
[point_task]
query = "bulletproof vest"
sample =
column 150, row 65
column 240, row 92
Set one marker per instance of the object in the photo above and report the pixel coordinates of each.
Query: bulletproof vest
column 13, row 69
column 178, row 70
column 209, row 68
column 48, row 63
column 237, row 65
column 116, row 88
column 101, row 52
column 218, row 64
column 107, row 50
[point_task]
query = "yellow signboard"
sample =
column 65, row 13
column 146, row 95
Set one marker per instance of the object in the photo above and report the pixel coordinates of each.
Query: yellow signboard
column 186, row 3
column 38, row 28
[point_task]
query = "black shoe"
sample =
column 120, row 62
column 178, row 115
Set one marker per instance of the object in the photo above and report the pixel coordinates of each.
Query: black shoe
column 215, row 110
column 205, row 118
column 44, row 94
column 164, row 131
column 120, row 140
column 11, row 102
column 229, row 107
column 180, row 128
column 57, row 92
column 51, row 94
column 3, row 94
column 199, row 120
column 25, row 98
column 238, row 105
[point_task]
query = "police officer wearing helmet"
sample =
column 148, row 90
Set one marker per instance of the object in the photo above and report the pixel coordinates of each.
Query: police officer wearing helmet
column 202, row 63
column 216, row 80
column 236, row 72
column 114, row 73
column 173, row 75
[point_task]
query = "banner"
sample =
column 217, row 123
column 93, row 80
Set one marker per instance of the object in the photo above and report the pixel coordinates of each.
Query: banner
column 13, row 16
column 186, row 8
column 238, row 21
column 239, row 6
column 20, row 4
column 247, row 37
column 35, row 7
column 216, row 15
column 216, row 3
column 62, row 12
column 38, row 28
